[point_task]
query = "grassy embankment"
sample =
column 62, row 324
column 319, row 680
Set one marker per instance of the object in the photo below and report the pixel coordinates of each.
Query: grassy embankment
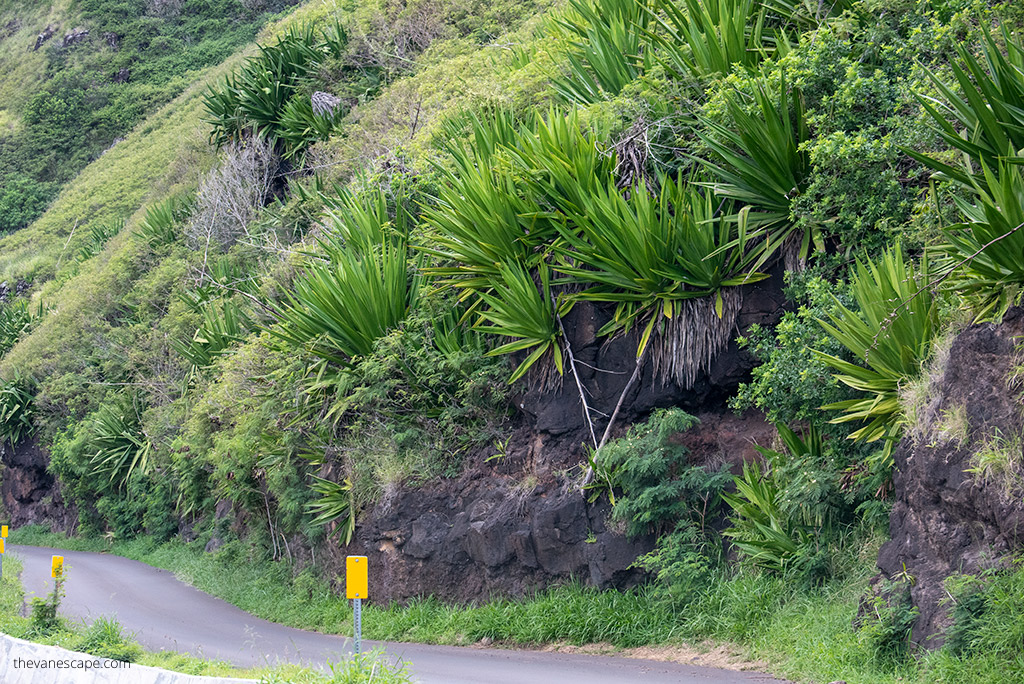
column 800, row 633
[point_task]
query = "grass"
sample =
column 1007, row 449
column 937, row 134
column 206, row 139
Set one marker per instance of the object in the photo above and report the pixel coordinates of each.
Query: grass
column 803, row 634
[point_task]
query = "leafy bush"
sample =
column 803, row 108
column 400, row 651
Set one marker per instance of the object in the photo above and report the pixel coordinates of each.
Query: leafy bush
column 21, row 201
column 660, row 489
column 792, row 383
column 44, row 613
column 884, row 627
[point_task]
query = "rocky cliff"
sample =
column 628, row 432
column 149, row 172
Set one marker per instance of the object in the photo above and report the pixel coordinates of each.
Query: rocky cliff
column 959, row 504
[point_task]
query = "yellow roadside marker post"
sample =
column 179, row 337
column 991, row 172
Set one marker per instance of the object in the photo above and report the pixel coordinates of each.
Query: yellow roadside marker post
column 357, row 581
column 3, row 548
column 56, row 566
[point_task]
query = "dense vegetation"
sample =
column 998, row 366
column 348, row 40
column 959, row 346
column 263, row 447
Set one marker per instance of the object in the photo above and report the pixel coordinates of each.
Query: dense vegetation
column 399, row 206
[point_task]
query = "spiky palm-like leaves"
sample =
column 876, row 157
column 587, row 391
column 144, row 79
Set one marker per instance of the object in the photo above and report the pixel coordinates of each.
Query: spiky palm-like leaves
column 761, row 530
column 338, row 308
column 497, row 216
column 16, row 410
column 650, row 254
column 890, row 334
column 15, row 320
column 98, row 237
column 703, row 38
column 518, row 309
column 335, row 505
column 760, row 162
column 257, row 99
column 359, row 290
column 222, row 327
column 987, row 123
column 119, row 446
column 609, row 47
column 986, row 252
column 158, row 226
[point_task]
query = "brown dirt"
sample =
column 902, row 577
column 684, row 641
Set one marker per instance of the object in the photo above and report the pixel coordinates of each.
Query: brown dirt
column 705, row 654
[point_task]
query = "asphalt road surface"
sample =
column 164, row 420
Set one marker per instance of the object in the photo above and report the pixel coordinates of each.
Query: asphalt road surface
column 164, row 613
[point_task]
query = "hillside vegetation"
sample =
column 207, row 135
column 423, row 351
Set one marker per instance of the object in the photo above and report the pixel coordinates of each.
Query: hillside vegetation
column 321, row 272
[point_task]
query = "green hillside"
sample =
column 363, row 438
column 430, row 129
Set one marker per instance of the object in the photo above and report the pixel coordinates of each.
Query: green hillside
column 322, row 271
column 79, row 75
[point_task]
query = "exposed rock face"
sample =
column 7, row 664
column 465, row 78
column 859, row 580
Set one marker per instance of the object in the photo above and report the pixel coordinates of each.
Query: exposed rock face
column 74, row 37
column 946, row 520
column 29, row 492
column 491, row 536
column 46, row 35
column 606, row 365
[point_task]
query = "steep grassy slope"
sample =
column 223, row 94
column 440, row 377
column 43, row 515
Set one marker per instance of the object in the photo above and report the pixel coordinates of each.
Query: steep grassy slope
column 78, row 75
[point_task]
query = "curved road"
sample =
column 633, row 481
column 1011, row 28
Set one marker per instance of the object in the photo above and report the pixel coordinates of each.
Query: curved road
column 164, row 613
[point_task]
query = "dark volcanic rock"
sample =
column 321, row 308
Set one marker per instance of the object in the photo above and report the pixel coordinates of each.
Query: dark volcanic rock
column 606, row 364
column 46, row 35
column 30, row 494
column 74, row 37
column 490, row 535
column 945, row 519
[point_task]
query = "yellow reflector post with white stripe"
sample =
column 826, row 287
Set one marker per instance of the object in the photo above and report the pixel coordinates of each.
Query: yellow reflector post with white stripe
column 3, row 532
column 56, row 566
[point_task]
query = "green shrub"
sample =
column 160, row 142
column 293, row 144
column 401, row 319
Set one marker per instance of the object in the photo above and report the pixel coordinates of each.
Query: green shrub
column 660, row 489
column 44, row 613
column 22, row 199
column 883, row 630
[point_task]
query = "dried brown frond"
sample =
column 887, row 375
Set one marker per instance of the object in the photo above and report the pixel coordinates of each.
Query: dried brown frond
column 688, row 343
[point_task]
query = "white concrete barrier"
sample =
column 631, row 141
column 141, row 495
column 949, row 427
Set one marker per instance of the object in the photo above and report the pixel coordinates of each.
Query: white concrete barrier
column 24, row 662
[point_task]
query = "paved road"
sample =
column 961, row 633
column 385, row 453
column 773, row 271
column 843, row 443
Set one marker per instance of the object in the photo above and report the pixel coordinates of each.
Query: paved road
column 165, row 613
